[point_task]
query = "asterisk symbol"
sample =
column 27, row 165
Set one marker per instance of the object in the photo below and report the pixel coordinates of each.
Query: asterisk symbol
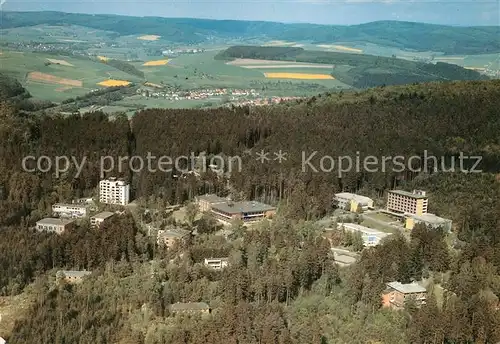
column 280, row 156
column 262, row 156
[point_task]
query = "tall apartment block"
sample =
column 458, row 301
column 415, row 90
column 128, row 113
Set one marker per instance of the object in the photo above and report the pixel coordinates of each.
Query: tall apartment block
column 114, row 191
column 403, row 202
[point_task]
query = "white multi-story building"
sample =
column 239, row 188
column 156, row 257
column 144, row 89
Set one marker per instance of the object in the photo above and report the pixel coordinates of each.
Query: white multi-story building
column 114, row 191
column 69, row 210
column 401, row 202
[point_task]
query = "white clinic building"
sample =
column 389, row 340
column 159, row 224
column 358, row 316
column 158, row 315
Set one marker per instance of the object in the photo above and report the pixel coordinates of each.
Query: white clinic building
column 114, row 191
column 69, row 210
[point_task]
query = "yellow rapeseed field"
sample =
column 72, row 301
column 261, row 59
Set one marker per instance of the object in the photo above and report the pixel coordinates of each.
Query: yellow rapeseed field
column 149, row 37
column 156, row 63
column 340, row 47
column 114, row 83
column 102, row 58
column 304, row 76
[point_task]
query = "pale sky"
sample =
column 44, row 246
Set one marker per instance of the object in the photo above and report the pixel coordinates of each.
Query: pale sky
column 344, row 12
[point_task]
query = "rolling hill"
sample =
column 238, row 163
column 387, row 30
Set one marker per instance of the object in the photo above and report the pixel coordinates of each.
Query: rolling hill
column 407, row 35
column 363, row 70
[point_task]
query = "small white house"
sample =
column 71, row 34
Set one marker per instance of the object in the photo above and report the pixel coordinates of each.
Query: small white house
column 216, row 263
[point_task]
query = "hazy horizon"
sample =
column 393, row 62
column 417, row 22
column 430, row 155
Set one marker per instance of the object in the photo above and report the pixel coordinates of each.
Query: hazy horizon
column 338, row 12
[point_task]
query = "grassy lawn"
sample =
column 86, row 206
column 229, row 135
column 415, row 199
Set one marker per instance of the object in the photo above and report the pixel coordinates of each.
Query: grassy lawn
column 367, row 222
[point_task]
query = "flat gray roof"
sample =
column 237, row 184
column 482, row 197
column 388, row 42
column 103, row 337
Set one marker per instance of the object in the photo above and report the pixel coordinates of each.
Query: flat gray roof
column 408, row 194
column 351, row 196
column 74, row 205
column 189, row 306
column 242, row 207
column 407, row 288
column 221, row 259
column 430, row 218
column 104, row 215
column 54, row 221
column 362, row 229
column 74, row 273
column 177, row 233
column 212, row 198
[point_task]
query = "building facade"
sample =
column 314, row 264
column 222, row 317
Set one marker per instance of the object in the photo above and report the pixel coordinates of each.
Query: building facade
column 72, row 277
column 430, row 220
column 98, row 219
column 169, row 238
column 397, row 294
column 353, row 202
column 190, row 308
column 401, row 202
column 245, row 211
column 54, row 225
column 205, row 202
column 114, row 191
column 216, row 263
column 70, row 210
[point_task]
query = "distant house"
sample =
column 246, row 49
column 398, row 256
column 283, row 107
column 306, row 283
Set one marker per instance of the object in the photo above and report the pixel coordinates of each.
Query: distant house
column 216, row 263
column 72, row 277
column 190, row 308
column 54, row 225
column 371, row 237
column 397, row 294
column 98, row 219
column 169, row 237
column 353, row 202
column 427, row 219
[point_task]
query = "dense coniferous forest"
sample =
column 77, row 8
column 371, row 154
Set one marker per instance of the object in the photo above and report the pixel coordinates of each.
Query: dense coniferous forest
column 407, row 35
column 282, row 285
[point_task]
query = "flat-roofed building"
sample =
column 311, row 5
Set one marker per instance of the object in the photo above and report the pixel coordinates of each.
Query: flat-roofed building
column 54, row 225
column 401, row 202
column 371, row 237
column 190, row 308
column 72, row 276
column 114, row 191
column 397, row 294
column 429, row 220
column 205, row 202
column 98, row 219
column 170, row 237
column 353, row 202
column 247, row 211
column 70, row 210
column 216, row 263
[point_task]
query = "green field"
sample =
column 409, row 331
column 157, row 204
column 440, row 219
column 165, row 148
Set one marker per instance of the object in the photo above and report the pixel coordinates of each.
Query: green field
column 189, row 71
column 19, row 64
